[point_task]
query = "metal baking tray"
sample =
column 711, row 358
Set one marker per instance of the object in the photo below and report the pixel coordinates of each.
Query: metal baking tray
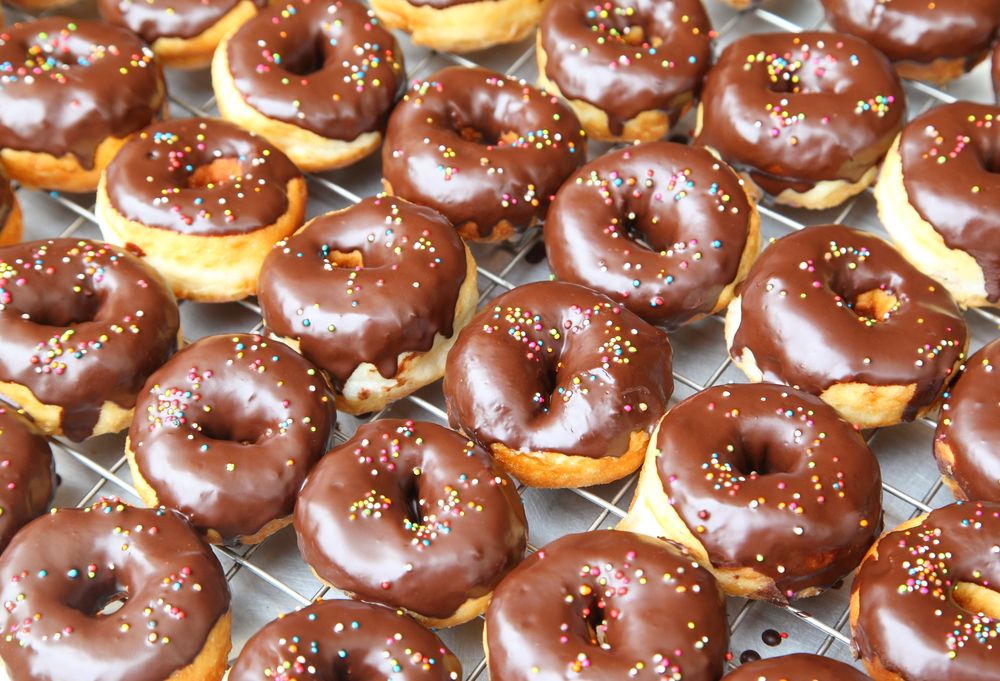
column 271, row 578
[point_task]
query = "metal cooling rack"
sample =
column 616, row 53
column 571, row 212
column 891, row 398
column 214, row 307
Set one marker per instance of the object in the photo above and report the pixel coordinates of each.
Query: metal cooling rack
column 271, row 578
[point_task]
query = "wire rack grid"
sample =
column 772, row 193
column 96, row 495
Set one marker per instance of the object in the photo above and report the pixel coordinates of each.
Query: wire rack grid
column 270, row 578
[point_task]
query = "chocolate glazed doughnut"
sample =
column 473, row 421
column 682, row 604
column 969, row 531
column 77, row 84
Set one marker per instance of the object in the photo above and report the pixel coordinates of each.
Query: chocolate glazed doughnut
column 797, row 667
column 925, row 604
column 414, row 516
column 969, row 428
column 226, row 432
column 606, row 606
column 629, row 68
column 766, row 487
column 71, row 92
column 573, row 386
column 62, row 572
column 664, row 228
column 486, row 150
column 315, row 77
column 839, row 313
column 936, row 197
column 11, row 224
column 27, row 473
column 82, row 325
column 346, row 640
column 932, row 41
column 807, row 115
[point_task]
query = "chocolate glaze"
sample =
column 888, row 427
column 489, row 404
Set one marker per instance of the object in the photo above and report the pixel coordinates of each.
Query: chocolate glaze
column 970, row 426
column 800, row 322
column 326, row 66
column 917, row 30
column 332, row 640
column 81, row 323
column 996, row 72
column 593, row 54
column 481, row 148
column 397, row 300
column 154, row 19
column 227, row 430
column 794, row 109
column 27, row 473
column 660, row 227
column 7, row 200
column 67, row 565
column 569, row 371
column 411, row 515
column 769, row 478
column 909, row 617
column 797, row 667
column 153, row 179
column 66, row 85
column 949, row 156
column 606, row 606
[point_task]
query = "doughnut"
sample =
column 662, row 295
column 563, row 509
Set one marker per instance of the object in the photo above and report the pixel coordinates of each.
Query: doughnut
column 996, row 72
column 969, row 428
column 346, row 639
column 486, row 150
column 936, row 195
column 765, row 486
column 182, row 33
column 461, row 25
column 573, row 387
column 932, row 41
column 414, row 516
column 103, row 80
column 82, row 325
column 663, row 228
column 796, row 667
column 374, row 295
column 839, row 313
column 204, row 201
column 607, row 605
column 226, row 431
column 113, row 592
column 315, row 77
column 11, row 224
column 630, row 70
column 925, row 604
column 27, row 473
column 808, row 115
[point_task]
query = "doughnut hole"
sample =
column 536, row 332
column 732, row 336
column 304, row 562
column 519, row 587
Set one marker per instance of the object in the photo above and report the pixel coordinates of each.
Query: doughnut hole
column 217, row 173
column 49, row 306
column 308, row 59
column 875, row 304
column 100, row 597
column 977, row 600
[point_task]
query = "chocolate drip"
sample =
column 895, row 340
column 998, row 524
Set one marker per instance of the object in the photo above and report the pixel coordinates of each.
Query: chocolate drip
column 438, row 520
column 200, row 176
column 66, row 85
column 627, row 56
column 660, row 227
column 27, row 473
column 950, row 156
column 154, row 19
column 797, row 667
column 569, row 371
column 806, row 318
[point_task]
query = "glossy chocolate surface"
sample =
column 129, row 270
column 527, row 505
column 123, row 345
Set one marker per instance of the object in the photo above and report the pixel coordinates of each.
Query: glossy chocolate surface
column 797, row 667
column 660, row 227
column 412, row 515
column 159, row 178
column 909, row 617
column 82, row 323
column 607, row 606
column 154, row 19
column 27, row 473
column 568, row 371
column 401, row 294
column 970, row 425
column 7, row 200
column 228, row 429
column 801, row 319
column 62, row 570
column 481, row 148
column 950, row 156
column 326, row 66
column 626, row 57
column 770, row 478
column 333, row 640
column 794, row 109
column 68, row 84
